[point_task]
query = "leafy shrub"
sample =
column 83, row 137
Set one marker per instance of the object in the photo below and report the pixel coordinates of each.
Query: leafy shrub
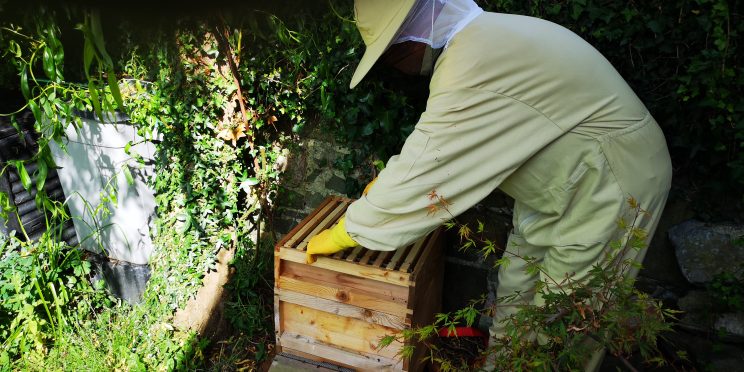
column 727, row 290
column 44, row 288
column 578, row 317
column 684, row 58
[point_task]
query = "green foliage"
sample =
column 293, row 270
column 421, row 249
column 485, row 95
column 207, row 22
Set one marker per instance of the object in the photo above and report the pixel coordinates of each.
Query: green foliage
column 685, row 60
column 727, row 290
column 301, row 73
column 137, row 338
column 250, row 307
column 44, row 289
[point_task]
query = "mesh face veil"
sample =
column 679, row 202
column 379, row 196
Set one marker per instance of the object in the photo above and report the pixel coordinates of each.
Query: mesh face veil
column 435, row 22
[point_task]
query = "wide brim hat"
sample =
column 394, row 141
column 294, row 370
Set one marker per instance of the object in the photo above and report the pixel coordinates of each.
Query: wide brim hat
column 378, row 22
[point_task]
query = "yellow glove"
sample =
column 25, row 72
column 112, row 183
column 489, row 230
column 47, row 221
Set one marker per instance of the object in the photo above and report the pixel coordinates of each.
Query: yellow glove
column 369, row 185
column 329, row 241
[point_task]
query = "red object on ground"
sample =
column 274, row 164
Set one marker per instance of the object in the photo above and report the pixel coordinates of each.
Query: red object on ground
column 462, row 332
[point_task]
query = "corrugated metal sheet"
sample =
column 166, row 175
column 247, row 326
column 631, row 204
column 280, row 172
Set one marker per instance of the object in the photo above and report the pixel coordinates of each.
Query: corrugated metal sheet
column 21, row 145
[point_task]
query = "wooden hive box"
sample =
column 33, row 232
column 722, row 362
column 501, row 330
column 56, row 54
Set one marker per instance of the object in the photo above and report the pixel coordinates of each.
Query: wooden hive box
column 337, row 309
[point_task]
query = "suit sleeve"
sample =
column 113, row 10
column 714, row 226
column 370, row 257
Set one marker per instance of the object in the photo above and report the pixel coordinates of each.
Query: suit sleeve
column 465, row 144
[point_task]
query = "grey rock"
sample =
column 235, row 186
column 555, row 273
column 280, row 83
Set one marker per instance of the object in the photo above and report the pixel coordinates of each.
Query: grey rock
column 336, row 184
column 732, row 323
column 705, row 250
column 660, row 263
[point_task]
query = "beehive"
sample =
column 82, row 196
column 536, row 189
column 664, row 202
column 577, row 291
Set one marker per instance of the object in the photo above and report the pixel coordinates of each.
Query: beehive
column 337, row 309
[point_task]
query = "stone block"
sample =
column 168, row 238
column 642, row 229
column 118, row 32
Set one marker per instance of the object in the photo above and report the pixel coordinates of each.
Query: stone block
column 705, row 250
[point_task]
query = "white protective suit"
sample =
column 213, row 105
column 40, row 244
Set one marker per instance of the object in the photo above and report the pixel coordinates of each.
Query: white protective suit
column 527, row 106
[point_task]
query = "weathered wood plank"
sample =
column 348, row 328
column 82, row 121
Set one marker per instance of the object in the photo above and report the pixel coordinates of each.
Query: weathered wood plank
column 335, row 330
column 426, row 295
column 429, row 251
column 387, row 291
column 277, row 322
column 277, row 264
column 311, row 349
column 345, row 295
column 326, row 223
column 284, row 362
column 374, row 273
column 396, row 257
column 353, row 255
column 338, row 308
column 367, row 256
column 412, row 254
column 381, row 257
column 300, row 231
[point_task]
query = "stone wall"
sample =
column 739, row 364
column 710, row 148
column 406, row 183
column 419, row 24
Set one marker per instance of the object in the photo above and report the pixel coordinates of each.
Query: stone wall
column 309, row 178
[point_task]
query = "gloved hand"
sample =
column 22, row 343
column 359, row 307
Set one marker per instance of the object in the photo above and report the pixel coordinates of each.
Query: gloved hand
column 329, row 241
column 369, row 185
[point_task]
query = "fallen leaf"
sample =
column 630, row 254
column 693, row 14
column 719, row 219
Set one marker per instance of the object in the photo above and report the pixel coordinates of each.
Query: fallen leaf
column 232, row 134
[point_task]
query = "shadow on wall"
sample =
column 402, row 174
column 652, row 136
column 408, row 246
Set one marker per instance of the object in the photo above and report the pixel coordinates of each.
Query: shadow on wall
column 93, row 168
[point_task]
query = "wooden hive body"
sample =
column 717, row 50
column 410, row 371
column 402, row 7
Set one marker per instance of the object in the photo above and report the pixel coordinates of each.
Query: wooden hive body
column 337, row 309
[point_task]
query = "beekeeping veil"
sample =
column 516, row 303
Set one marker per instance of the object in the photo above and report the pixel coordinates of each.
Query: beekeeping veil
column 432, row 22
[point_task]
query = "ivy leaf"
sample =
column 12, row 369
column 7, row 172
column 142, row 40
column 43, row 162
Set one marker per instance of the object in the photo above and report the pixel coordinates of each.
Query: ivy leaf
column 114, row 86
column 24, row 84
column 184, row 223
column 41, row 174
column 128, row 175
column 96, row 32
column 94, row 100
column 48, row 62
column 88, row 54
column 35, row 110
column 23, row 175
column 248, row 183
column 368, row 129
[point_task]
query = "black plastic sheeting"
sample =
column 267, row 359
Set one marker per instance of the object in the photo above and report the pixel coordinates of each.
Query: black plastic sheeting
column 124, row 280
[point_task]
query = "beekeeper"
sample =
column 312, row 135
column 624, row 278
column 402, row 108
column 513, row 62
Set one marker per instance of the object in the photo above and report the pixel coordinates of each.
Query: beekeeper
column 515, row 103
